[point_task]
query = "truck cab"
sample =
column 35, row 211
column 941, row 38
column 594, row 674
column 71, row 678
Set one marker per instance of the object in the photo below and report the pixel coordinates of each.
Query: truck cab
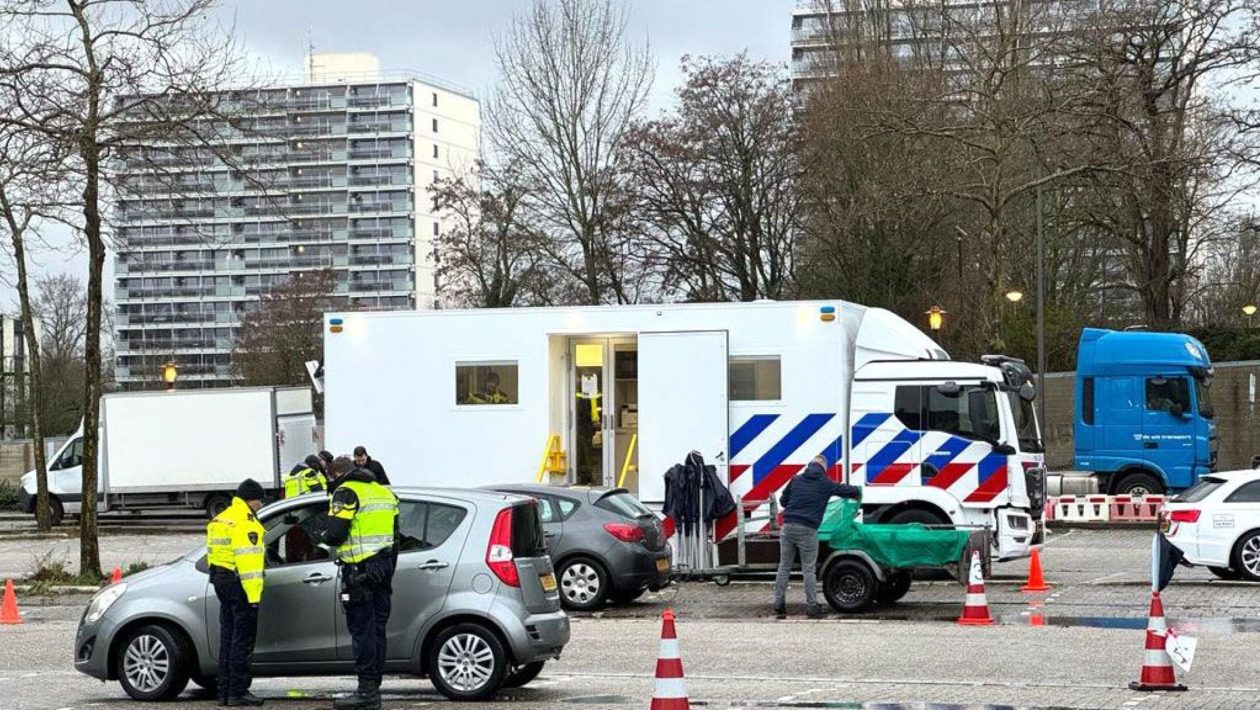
column 1143, row 416
column 945, row 442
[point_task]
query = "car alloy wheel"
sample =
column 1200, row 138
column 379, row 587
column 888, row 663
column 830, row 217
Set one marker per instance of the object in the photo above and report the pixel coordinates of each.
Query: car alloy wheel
column 1250, row 555
column 146, row 662
column 466, row 662
column 580, row 583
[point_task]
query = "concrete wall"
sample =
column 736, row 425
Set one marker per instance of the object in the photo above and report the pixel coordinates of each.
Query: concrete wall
column 1233, row 395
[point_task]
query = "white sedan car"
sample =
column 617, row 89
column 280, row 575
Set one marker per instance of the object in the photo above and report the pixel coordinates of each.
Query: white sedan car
column 1216, row 523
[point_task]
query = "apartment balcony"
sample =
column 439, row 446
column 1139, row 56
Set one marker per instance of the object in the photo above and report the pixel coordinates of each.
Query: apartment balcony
column 316, row 129
column 370, row 180
column 153, row 267
column 315, row 103
column 376, row 127
column 314, row 156
column 380, row 233
column 369, row 101
column 384, row 206
column 377, row 286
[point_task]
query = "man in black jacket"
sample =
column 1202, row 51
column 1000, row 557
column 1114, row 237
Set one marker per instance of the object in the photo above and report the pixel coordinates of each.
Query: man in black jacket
column 804, row 501
column 363, row 461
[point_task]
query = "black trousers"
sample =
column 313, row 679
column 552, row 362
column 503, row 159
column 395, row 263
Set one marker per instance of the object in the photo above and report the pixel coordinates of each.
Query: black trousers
column 238, row 628
column 366, row 596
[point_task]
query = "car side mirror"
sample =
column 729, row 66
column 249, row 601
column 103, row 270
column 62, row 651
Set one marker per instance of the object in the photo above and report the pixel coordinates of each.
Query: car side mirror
column 1004, row 449
column 949, row 389
column 1027, row 392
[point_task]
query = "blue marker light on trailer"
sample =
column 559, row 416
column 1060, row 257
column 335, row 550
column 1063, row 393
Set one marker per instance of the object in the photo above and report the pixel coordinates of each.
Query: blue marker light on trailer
column 827, row 313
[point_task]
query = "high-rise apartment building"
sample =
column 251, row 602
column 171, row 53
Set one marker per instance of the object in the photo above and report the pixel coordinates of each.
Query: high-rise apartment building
column 333, row 172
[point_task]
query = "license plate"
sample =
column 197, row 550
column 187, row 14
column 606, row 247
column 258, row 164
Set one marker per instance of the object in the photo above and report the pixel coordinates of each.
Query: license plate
column 548, row 582
column 662, row 565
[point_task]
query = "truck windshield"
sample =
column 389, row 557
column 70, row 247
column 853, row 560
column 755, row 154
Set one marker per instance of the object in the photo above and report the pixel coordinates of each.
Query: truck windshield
column 1025, row 424
column 1203, row 393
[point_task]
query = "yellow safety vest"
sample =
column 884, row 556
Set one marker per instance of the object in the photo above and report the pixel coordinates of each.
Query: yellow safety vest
column 235, row 543
column 372, row 521
column 594, row 400
column 304, row 481
column 483, row 398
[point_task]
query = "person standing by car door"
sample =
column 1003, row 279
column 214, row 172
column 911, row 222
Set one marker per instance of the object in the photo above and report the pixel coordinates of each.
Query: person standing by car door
column 306, row 477
column 363, row 531
column 364, row 461
column 804, row 501
column 234, row 542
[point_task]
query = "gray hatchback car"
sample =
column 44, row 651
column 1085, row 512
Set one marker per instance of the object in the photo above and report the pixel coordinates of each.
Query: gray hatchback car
column 475, row 607
column 606, row 545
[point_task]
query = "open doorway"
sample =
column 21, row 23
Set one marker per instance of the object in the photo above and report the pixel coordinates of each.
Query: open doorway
column 603, row 412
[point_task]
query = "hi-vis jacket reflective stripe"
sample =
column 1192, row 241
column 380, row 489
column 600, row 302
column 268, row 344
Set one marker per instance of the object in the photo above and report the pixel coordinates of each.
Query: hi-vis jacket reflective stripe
column 304, row 480
column 372, row 520
column 235, row 542
column 594, row 400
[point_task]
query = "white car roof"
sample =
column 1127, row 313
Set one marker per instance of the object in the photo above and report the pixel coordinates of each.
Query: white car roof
column 1240, row 475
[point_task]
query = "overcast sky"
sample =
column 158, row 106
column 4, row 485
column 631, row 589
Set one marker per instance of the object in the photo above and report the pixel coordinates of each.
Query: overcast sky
column 454, row 41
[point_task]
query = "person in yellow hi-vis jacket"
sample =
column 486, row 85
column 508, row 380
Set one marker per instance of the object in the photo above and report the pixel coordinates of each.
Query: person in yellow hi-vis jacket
column 363, row 532
column 234, row 540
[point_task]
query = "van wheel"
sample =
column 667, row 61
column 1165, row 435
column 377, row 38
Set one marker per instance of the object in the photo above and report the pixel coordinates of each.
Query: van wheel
column 56, row 511
column 468, row 663
column 523, row 675
column 583, row 584
column 152, row 664
column 216, row 503
column 895, row 587
column 849, row 586
column 1246, row 557
column 1139, row 483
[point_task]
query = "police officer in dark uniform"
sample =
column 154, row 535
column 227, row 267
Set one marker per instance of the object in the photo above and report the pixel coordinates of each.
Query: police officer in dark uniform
column 234, row 544
column 363, row 531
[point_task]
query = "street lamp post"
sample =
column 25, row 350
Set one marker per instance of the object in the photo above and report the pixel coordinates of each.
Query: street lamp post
column 1249, row 310
column 1014, row 296
column 1041, row 317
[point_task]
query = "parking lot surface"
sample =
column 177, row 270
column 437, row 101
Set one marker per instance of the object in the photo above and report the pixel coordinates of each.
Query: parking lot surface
column 908, row 655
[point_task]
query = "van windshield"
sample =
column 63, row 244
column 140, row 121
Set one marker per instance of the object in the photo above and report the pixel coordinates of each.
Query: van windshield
column 1025, row 424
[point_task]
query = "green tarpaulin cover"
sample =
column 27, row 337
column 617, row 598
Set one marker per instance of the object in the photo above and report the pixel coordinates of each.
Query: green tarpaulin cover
column 910, row 545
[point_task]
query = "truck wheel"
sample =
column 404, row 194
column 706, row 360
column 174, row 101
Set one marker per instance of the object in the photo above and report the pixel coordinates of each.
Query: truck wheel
column 895, row 587
column 850, row 586
column 917, row 515
column 1139, row 483
column 1246, row 557
column 216, row 503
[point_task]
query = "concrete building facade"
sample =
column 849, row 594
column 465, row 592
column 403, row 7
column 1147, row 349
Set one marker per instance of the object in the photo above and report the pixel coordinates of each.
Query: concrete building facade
column 332, row 172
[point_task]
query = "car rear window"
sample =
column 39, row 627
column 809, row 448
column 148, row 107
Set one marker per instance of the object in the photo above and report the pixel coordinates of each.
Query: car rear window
column 1199, row 491
column 623, row 504
column 527, row 532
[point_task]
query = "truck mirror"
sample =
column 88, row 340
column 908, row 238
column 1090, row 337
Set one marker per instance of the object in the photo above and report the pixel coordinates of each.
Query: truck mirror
column 1004, row 449
column 949, row 389
column 1027, row 392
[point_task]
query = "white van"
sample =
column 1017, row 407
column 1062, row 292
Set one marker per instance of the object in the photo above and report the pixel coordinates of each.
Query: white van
column 477, row 397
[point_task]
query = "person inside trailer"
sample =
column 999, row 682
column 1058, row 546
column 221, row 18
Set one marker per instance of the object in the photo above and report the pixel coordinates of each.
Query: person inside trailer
column 490, row 394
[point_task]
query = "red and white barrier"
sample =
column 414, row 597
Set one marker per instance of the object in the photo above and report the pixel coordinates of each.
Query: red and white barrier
column 1104, row 509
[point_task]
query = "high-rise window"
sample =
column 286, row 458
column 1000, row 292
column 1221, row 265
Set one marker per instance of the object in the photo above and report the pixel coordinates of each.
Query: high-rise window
column 435, row 98
column 435, row 130
column 435, row 150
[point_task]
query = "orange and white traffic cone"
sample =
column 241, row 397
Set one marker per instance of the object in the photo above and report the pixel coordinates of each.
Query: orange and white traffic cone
column 8, row 607
column 1036, row 578
column 671, row 688
column 975, row 608
column 1157, row 667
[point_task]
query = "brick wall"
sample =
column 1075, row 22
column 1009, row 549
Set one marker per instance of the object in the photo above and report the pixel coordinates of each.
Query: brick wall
column 16, row 458
column 1238, row 415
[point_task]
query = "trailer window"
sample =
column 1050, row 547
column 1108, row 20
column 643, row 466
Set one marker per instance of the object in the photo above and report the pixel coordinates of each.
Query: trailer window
column 755, row 379
column 486, row 383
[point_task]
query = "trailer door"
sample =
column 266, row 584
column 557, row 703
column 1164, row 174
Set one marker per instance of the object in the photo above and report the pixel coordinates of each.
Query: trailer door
column 682, row 404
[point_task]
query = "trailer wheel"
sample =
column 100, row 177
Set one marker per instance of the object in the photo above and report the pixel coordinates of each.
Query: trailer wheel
column 216, row 503
column 722, row 580
column 850, row 586
column 895, row 587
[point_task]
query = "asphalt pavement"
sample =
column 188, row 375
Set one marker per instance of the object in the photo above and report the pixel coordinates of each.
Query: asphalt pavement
column 908, row 655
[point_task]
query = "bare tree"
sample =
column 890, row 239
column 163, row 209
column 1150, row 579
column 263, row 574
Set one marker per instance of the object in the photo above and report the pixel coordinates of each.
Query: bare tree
column 714, row 182
column 60, row 303
column 284, row 330
column 488, row 255
column 101, row 77
column 571, row 84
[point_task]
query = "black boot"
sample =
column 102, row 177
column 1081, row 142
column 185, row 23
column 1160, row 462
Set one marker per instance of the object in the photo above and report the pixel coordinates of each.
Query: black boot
column 367, row 697
column 246, row 700
column 780, row 611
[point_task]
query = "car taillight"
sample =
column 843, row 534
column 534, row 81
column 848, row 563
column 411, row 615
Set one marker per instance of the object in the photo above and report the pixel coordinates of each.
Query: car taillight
column 499, row 551
column 626, row 532
column 1185, row 516
column 668, row 526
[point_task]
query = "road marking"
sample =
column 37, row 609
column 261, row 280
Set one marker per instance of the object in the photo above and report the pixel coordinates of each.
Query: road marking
column 1100, row 580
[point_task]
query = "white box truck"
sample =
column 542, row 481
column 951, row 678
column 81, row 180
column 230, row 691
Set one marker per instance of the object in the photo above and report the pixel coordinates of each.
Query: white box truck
column 183, row 448
column 615, row 396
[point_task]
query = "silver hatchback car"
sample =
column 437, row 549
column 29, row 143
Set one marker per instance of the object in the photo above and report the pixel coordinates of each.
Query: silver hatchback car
column 473, row 582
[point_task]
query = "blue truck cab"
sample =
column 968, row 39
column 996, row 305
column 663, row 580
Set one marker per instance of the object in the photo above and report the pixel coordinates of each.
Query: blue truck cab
column 1143, row 419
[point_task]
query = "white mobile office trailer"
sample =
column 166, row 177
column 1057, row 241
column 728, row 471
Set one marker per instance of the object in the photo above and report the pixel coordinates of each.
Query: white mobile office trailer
column 620, row 394
column 184, row 448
